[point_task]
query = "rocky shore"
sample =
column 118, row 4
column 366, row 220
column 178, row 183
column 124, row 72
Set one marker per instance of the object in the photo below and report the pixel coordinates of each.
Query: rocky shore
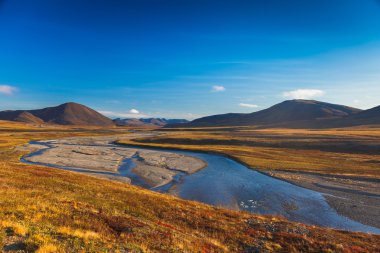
column 355, row 197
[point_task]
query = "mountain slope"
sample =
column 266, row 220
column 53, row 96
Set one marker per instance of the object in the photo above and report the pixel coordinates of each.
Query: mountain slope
column 65, row 114
column 304, row 112
column 27, row 117
column 367, row 117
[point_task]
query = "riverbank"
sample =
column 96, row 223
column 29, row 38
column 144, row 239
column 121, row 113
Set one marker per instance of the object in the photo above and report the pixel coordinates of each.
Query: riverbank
column 353, row 196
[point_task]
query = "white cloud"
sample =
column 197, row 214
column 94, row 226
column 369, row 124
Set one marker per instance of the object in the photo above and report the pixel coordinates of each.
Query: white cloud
column 7, row 89
column 130, row 114
column 303, row 94
column 134, row 111
column 218, row 88
column 248, row 105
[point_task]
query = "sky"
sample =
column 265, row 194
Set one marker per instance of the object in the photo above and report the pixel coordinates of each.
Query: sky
column 187, row 59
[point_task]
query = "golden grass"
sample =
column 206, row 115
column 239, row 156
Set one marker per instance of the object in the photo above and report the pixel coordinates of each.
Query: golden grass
column 47, row 248
column 47, row 210
column 87, row 234
column 14, row 227
column 353, row 151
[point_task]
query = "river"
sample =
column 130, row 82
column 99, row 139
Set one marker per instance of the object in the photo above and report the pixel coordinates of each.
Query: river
column 229, row 184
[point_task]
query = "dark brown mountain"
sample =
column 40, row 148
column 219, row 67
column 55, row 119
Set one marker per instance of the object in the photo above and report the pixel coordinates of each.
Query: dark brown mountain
column 148, row 121
column 290, row 113
column 65, row 114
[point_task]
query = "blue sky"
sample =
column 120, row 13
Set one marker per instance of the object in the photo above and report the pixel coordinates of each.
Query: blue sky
column 186, row 59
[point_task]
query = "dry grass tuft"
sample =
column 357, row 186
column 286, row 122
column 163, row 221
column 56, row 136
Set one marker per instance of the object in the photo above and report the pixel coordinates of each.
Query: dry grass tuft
column 14, row 227
column 47, row 248
column 79, row 233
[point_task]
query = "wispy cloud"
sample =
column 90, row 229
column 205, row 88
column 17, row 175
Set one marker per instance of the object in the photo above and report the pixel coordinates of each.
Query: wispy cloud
column 303, row 94
column 248, row 105
column 7, row 89
column 133, row 113
column 218, row 88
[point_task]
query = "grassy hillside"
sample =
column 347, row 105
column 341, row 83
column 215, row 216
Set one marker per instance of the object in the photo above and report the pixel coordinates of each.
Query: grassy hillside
column 50, row 210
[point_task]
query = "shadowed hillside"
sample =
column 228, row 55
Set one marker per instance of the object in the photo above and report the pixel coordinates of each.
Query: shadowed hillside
column 367, row 117
column 20, row 116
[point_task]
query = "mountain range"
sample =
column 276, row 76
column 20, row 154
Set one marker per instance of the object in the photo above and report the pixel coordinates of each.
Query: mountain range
column 148, row 121
column 290, row 114
column 294, row 114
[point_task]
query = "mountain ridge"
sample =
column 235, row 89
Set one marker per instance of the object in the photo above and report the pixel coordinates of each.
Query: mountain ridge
column 296, row 113
column 148, row 121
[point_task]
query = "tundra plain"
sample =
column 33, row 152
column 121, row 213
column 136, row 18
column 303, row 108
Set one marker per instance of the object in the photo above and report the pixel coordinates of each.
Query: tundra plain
column 51, row 210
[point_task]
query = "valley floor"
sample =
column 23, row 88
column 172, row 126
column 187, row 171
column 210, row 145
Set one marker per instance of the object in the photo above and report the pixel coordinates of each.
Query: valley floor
column 49, row 210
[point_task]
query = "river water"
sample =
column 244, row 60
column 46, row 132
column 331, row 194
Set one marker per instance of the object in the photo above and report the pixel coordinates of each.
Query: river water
column 229, row 184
